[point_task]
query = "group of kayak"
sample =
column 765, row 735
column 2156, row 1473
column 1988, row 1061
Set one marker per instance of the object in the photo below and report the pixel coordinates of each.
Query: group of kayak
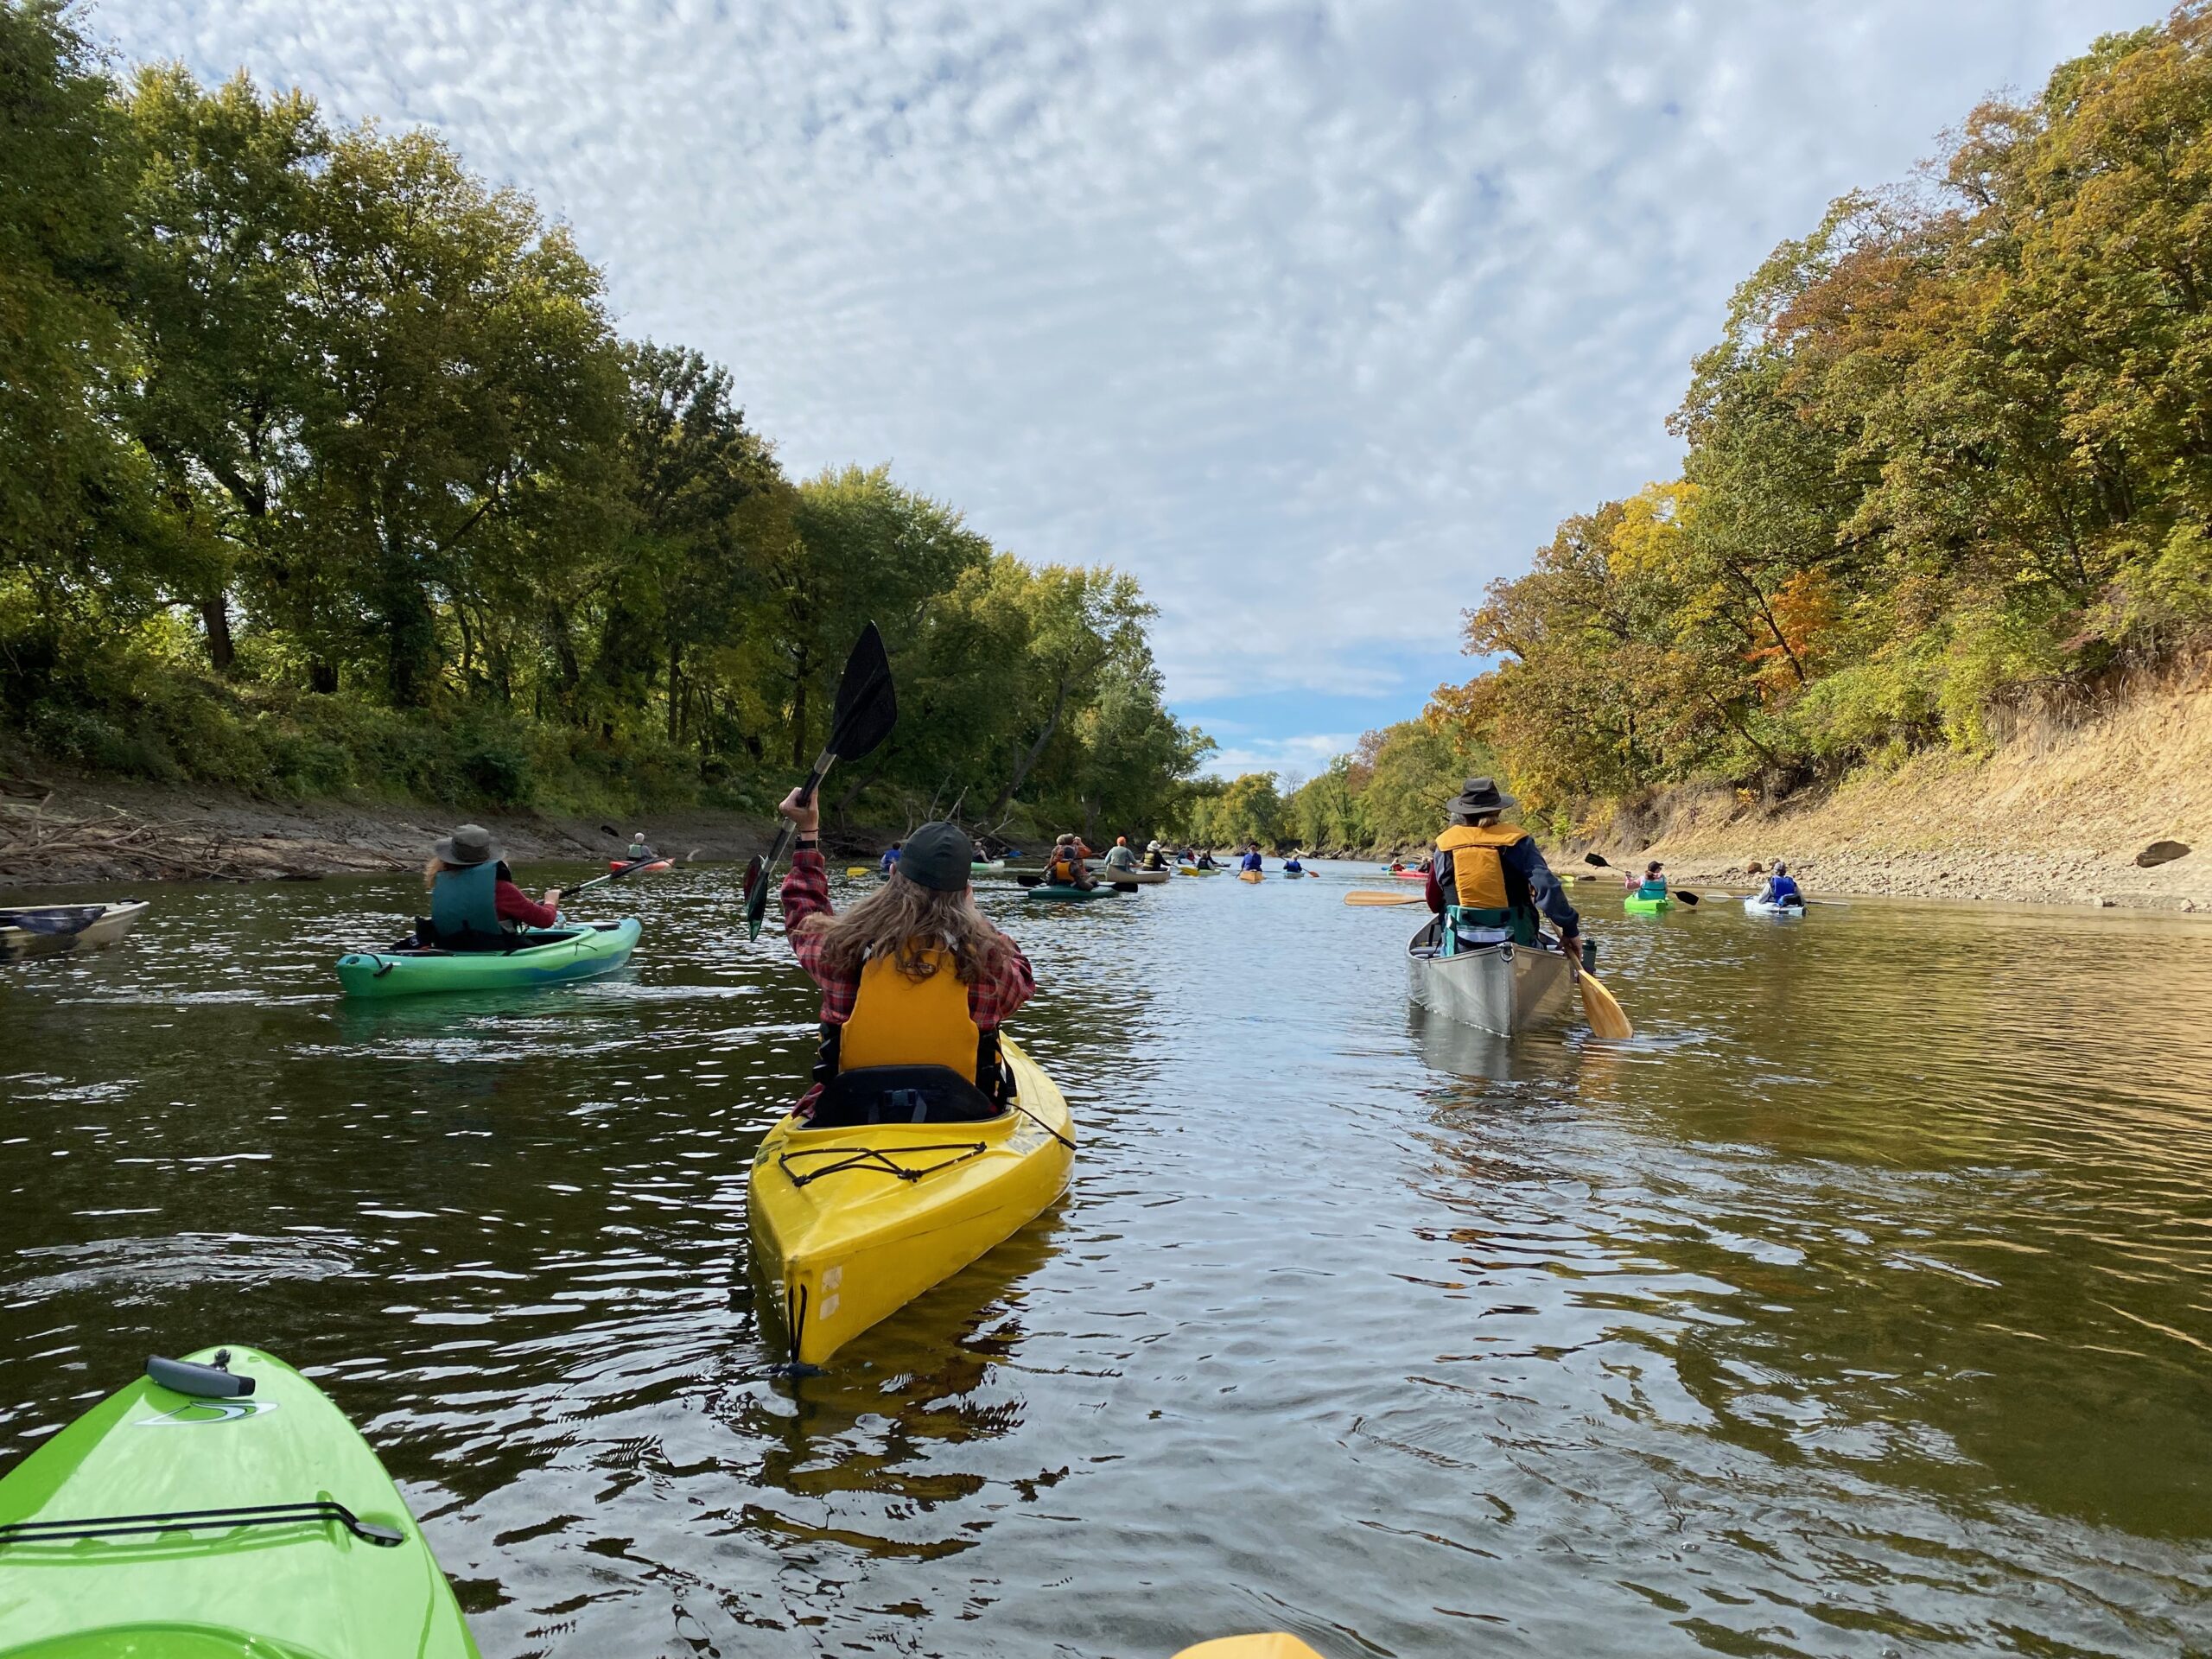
column 1778, row 893
column 1070, row 876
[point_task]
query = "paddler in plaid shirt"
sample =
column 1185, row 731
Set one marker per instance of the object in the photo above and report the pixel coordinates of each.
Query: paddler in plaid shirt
column 913, row 974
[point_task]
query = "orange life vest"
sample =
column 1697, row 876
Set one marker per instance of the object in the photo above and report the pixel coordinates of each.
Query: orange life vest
column 1477, row 871
column 901, row 1022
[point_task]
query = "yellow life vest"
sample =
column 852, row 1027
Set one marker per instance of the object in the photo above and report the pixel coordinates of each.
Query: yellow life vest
column 901, row 1022
column 1477, row 871
column 1063, row 871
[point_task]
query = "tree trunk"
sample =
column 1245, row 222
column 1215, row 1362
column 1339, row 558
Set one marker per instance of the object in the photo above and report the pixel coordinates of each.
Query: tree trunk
column 675, row 689
column 322, row 677
column 799, row 713
column 1036, row 752
column 216, row 615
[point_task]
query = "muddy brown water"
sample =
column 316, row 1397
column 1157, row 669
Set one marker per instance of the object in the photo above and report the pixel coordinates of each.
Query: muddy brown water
column 1862, row 1305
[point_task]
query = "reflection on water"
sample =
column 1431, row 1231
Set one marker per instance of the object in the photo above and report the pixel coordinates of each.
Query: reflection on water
column 1857, row 1306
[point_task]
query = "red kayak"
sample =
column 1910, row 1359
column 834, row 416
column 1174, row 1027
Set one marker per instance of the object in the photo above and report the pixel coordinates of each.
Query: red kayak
column 1411, row 876
column 616, row 866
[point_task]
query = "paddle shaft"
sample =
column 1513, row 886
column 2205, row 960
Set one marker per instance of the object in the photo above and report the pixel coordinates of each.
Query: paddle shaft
column 782, row 843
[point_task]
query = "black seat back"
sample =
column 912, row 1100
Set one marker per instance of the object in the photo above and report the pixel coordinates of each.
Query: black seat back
column 901, row 1094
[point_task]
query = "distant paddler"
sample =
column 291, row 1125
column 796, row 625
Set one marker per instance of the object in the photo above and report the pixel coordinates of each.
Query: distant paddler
column 641, row 850
column 1120, row 856
column 913, row 974
column 1652, row 884
column 1065, row 868
column 1155, row 857
column 1253, row 864
column 890, row 859
column 1780, row 888
column 1488, row 880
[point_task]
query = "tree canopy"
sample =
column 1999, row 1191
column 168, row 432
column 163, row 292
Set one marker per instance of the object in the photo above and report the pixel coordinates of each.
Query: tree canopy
column 323, row 466
column 1950, row 461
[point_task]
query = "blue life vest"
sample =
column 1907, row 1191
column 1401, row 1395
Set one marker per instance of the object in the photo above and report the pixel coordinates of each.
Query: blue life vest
column 466, row 900
column 1653, row 887
column 1782, row 890
column 1252, row 862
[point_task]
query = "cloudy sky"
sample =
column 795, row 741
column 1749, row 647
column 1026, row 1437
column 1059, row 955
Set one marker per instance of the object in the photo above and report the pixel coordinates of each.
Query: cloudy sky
column 1315, row 317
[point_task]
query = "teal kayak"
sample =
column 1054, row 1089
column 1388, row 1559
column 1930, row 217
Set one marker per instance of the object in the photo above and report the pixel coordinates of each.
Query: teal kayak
column 227, row 1510
column 552, row 957
column 1073, row 895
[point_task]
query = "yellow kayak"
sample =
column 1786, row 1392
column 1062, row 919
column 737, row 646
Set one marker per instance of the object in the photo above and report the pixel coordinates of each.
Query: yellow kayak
column 850, row 1224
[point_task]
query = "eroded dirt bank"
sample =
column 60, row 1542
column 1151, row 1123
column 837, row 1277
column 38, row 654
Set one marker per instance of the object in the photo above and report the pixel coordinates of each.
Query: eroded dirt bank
column 55, row 829
column 2056, row 816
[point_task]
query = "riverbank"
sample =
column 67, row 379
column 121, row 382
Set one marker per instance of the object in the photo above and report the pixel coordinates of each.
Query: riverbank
column 2058, row 816
column 62, row 830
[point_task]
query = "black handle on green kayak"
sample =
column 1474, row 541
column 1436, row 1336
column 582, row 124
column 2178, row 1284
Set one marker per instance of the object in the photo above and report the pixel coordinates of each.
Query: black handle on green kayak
column 201, row 1381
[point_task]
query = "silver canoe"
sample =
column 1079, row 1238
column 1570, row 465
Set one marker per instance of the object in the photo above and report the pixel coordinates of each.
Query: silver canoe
column 1498, row 987
column 1108, row 874
column 65, row 929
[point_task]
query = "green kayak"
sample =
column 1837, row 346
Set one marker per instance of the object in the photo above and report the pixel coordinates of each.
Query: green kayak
column 226, row 1511
column 1636, row 906
column 1073, row 895
column 549, row 958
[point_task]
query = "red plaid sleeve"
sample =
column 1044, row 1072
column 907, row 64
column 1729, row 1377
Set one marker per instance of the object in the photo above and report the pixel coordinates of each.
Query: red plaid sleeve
column 806, row 892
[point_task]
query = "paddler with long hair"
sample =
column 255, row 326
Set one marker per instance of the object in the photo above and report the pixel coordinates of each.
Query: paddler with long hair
column 913, row 974
column 1488, row 880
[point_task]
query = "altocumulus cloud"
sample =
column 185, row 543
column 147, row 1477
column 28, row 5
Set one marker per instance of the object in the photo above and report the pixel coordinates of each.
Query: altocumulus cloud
column 1315, row 317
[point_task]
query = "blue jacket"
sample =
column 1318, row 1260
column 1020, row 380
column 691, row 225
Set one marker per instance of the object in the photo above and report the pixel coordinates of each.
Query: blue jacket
column 1252, row 862
column 1781, row 889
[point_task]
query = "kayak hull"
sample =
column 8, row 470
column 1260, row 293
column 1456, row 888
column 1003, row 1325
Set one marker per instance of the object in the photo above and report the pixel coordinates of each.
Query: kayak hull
column 305, row 1588
column 568, row 954
column 987, row 866
column 616, row 866
column 1410, row 875
column 843, row 1244
column 1636, row 906
column 45, row 929
column 1501, row 989
column 1252, row 876
column 1136, row 878
column 1760, row 907
column 1070, row 895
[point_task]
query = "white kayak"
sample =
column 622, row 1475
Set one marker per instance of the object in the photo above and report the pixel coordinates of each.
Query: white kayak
column 1761, row 908
column 66, row 930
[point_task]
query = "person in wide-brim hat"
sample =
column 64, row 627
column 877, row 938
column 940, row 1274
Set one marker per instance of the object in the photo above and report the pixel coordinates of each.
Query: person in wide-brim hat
column 1478, row 799
column 475, row 903
column 1489, row 880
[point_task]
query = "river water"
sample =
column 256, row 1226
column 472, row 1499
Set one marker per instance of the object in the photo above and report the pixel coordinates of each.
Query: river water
column 1862, row 1305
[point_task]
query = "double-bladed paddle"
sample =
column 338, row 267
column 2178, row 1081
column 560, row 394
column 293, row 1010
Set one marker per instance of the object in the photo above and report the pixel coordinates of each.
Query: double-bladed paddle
column 867, row 709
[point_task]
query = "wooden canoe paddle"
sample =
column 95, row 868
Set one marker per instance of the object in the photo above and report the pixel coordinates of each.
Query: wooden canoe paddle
column 867, row 709
column 1275, row 1644
column 1375, row 896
